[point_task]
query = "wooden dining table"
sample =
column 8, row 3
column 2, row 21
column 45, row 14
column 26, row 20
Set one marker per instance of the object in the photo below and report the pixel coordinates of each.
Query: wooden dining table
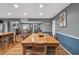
column 41, row 38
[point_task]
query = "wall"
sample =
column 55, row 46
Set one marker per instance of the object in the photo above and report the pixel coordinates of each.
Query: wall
column 70, row 43
column 70, row 40
column 46, row 26
column 13, row 28
column 72, row 21
column 46, row 23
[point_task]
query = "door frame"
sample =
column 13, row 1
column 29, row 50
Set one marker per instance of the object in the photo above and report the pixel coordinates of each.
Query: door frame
column 53, row 27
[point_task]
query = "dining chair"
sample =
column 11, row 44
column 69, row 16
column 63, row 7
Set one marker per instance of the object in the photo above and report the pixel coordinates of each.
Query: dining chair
column 27, row 50
column 39, row 49
column 50, row 50
column 56, row 37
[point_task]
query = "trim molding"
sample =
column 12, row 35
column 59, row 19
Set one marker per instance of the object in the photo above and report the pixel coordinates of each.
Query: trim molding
column 69, row 35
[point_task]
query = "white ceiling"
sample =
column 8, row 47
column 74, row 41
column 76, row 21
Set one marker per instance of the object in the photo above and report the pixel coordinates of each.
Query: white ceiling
column 33, row 10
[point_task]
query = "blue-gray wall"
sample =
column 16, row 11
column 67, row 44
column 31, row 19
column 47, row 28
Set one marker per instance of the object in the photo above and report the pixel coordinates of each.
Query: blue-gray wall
column 72, row 21
column 46, row 24
column 69, row 36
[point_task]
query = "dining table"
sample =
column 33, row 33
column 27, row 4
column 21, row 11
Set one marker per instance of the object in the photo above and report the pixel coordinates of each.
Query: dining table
column 41, row 38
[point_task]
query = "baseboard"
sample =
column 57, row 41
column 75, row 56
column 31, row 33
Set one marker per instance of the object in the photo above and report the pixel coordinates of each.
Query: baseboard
column 65, row 49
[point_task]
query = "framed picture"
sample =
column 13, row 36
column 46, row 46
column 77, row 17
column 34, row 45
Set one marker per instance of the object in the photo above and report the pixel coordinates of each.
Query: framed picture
column 63, row 19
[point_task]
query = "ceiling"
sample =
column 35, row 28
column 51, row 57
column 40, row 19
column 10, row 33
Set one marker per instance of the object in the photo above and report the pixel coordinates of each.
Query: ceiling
column 32, row 10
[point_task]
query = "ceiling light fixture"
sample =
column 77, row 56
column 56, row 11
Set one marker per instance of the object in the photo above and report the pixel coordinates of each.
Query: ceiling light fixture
column 16, row 6
column 41, row 6
column 9, row 13
column 25, row 14
column 41, row 14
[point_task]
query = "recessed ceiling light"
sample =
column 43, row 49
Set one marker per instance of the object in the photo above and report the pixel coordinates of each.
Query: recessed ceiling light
column 41, row 6
column 9, row 13
column 25, row 14
column 41, row 14
column 16, row 6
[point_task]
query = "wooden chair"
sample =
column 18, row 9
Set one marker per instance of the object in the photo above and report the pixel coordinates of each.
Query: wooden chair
column 50, row 50
column 56, row 37
column 39, row 49
column 27, row 49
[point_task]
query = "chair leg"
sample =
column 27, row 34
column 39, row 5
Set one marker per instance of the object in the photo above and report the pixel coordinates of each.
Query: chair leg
column 24, row 52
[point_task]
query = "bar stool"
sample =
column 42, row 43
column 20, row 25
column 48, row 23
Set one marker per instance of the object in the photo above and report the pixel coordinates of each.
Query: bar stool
column 2, row 44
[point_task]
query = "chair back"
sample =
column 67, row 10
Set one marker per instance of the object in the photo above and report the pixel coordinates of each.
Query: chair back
column 39, row 49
